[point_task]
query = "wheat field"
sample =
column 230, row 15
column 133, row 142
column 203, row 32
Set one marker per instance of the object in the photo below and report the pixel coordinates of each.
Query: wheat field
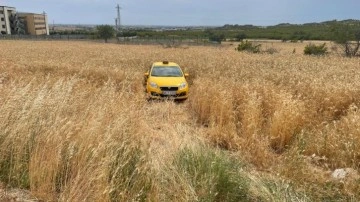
column 75, row 124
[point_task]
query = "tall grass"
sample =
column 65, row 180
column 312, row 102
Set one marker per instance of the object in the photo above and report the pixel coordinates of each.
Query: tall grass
column 75, row 124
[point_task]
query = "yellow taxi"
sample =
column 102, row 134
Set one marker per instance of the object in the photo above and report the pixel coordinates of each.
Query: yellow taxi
column 166, row 80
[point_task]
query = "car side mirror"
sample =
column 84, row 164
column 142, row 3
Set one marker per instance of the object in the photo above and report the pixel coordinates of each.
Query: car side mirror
column 146, row 74
column 186, row 74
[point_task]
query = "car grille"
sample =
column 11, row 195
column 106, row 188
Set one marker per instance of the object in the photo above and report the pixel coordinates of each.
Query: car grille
column 169, row 88
column 161, row 95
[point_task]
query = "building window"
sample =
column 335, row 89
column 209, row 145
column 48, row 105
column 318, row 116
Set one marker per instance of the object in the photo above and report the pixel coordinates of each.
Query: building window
column 3, row 26
column 2, row 19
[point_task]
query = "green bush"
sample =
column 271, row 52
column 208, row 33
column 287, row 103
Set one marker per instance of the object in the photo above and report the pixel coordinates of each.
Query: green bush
column 217, row 37
column 126, row 34
column 240, row 37
column 312, row 49
column 213, row 176
column 249, row 47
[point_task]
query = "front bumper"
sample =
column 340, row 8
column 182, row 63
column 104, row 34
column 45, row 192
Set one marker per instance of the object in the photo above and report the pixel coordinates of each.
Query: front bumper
column 156, row 93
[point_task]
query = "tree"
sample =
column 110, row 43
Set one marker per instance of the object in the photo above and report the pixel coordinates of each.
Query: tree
column 215, row 37
column 348, row 38
column 105, row 32
column 240, row 36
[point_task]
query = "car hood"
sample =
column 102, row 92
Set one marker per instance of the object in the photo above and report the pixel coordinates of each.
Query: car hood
column 168, row 81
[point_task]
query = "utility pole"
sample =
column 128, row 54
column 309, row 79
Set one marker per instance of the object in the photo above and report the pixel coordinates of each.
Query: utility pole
column 117, row 20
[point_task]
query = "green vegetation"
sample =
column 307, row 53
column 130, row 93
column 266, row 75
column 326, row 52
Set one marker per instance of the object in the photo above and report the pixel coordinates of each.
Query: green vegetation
column 329, row 30
column 105, row 32
column 214, row 177
column 313, row 49
column 290, row 32
column 240, row 37
column 124, row 173
column 346, row 33
column 126, row 34
column 285, row 32
column 348, row 36
column 215, row 37
column 249, row 47
column 14, row 173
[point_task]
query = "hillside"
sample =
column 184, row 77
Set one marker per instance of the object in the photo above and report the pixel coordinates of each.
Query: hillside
column 286, row 31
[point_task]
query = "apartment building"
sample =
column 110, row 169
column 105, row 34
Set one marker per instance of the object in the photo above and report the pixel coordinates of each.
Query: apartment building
column 34, row 24
column 6, row 19
column 13, row 22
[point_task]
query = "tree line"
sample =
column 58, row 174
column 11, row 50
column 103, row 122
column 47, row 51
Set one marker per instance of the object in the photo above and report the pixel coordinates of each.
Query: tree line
column 346, row 33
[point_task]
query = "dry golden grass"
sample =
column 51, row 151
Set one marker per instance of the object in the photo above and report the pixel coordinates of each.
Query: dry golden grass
column 75, row 124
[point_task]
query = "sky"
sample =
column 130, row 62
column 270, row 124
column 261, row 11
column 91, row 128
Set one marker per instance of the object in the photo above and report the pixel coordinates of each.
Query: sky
column 190, row 12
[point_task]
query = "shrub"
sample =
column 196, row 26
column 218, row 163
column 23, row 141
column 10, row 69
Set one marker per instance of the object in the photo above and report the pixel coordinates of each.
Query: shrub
column 271, row 51
column 348, row 38
column 312, row 49
column 213, row 176
column 249, row 47
column 126, row 34
column 217, row 37
column 240, row 37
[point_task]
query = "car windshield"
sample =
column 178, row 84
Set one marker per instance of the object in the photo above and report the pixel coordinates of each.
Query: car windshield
column 166, row 71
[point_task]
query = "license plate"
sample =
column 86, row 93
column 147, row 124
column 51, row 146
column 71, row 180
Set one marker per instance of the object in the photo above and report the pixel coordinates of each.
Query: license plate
column 169, row 92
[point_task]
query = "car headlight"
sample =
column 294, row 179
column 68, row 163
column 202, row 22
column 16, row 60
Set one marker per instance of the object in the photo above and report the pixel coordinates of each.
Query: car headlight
column 153, row 84
column 182, row 85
